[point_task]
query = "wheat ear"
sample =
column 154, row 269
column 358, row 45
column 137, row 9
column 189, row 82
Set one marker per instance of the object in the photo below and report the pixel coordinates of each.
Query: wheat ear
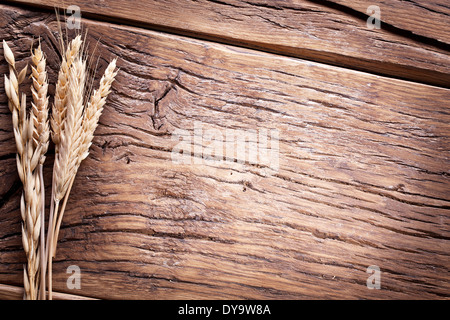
column 64, row 168
column 91, row 117
column 41, row 136
column 39, row 105
column 29, row 153
column 57, row 120
column 59, row 105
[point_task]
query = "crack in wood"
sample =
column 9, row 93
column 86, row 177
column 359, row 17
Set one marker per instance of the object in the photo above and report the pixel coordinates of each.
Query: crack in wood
column 16, row 186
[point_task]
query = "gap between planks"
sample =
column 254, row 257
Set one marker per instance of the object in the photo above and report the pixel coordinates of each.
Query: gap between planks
column 391, row 51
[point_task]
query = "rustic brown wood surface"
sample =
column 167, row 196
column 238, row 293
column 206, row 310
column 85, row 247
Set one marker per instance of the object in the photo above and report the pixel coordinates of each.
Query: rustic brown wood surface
column 313, row 30
column 363, row 176
column 8, row 292
column 428, row 18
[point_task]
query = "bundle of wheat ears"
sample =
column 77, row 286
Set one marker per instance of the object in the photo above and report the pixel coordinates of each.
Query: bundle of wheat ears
column 74, row 117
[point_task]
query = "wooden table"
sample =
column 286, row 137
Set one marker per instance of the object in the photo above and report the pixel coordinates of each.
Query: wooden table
column 360, row 177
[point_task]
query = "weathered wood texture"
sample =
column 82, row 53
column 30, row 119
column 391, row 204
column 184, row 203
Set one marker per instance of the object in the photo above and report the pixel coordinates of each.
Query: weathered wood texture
column 363, row 177
column 314, row 30
column 16, row 293
column 426, row 18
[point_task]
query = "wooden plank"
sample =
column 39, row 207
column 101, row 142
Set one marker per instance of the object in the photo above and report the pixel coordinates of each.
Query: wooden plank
column 8, row 292
column 428, row 18
column 303, row 29
column 363, row 177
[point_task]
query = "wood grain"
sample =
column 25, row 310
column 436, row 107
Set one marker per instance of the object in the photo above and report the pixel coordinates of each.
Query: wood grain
column 363, row 177
column 311, row 30
column 16, row 293
column 428, row 18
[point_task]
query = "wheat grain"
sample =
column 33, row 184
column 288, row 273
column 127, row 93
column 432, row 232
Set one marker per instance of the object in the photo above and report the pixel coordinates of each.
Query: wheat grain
column 9, row 56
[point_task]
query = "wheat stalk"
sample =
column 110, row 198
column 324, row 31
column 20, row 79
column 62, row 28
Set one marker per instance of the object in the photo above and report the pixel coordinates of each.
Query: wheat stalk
column 75, row 116
column 90, row 120
column 58, row 119
column 73, row 128
column 70, row 140
column 41, row 135
column 31, row 134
